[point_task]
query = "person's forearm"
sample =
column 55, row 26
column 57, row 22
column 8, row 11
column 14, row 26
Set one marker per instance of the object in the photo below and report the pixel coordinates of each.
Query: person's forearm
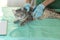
column 47, row 2
column 28, row 1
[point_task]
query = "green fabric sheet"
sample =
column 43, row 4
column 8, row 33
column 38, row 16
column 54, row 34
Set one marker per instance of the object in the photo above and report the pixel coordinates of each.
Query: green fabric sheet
column 43, row 29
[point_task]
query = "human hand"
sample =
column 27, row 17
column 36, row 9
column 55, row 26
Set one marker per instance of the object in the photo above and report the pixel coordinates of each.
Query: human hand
column 38, row 11
column 27, row 6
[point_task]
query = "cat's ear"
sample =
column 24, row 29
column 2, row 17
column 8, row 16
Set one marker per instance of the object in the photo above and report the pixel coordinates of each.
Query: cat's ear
column 31, row 9
column 18, row 10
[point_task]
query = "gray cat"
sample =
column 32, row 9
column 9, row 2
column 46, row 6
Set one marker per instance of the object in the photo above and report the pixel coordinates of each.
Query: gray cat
column 23, row 16
column 50, row 13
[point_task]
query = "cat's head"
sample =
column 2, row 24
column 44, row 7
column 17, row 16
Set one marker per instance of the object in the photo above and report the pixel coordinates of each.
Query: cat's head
column 20, row 14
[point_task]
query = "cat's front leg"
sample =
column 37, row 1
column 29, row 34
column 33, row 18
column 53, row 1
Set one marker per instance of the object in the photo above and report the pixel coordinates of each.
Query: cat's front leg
column 16, row 21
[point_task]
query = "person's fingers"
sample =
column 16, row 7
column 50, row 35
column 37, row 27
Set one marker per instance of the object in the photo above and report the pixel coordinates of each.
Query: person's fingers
column 27, row 6
column 38, row 13
column 34, row 13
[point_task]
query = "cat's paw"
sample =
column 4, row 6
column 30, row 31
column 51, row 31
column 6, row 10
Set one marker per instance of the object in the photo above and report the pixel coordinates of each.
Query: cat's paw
column 16, row 21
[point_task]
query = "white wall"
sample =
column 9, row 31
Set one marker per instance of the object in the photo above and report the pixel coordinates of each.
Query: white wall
column 15, row 3
column 3, row 3
column 12, row 3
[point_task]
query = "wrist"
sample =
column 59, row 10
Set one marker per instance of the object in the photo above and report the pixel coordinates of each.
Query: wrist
column 28, row 1
column 47, row 2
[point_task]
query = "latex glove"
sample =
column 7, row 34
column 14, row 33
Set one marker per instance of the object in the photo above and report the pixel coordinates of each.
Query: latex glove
column 27, row 6
column 38, row 11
